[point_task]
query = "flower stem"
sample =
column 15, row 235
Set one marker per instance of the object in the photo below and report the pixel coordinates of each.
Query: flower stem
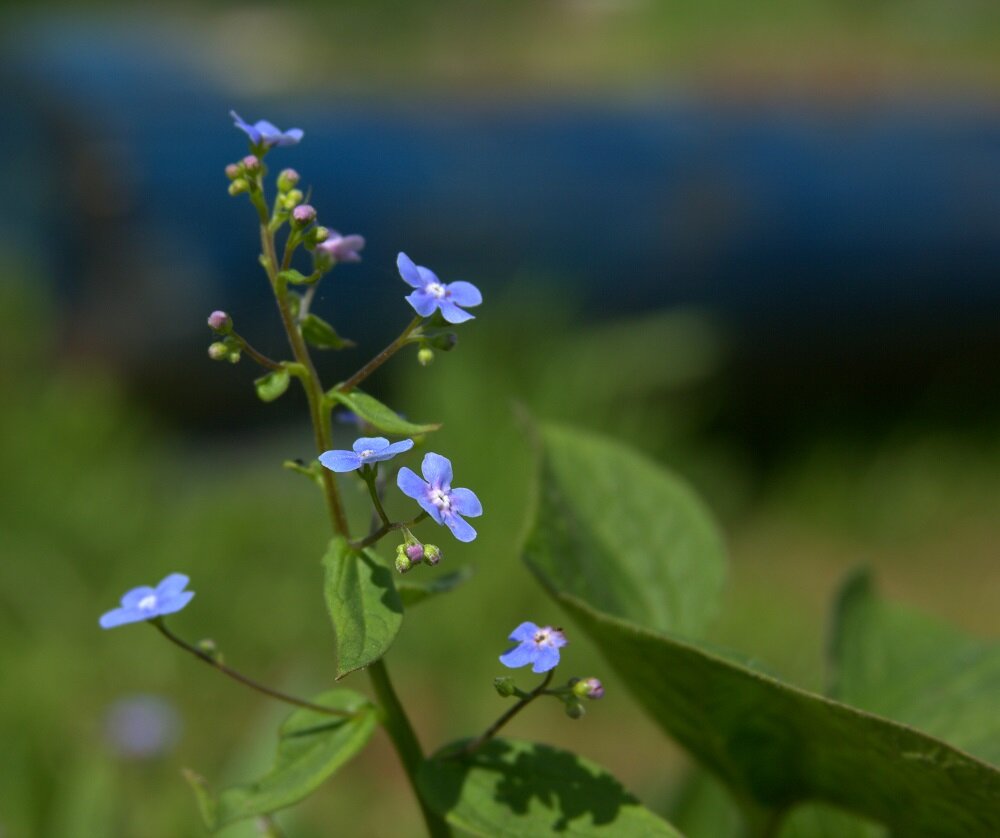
column 259, row 357
column 243, row 679
column 493, row 729
column 398, row 727
column 385, row 529
column 368, row 475
column 381, row 358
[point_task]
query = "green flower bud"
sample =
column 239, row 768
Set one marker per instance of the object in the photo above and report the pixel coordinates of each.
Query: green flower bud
column 432, row 554
column 403, row 564
column 445, row 342
column 287, row 180
column 574, row 709
column 504, row 685
column 233, row 171
column 239, row 186
column 218, row 351
column 293, row 198
column 425, row 356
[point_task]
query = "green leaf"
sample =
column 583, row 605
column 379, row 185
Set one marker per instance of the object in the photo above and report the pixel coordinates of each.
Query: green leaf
column 899, row 663
column 311, row 747
column 271, row 386
column 518, row 788
column 363, row 603
column 317, row 332
column 413, row 591
column 775, row 745
column 377, row 414
column 294, row 277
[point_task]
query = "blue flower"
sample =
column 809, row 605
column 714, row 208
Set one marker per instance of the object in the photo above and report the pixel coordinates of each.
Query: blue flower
column 433, row 294
column 145, row 603
column 366, row 450
column 264, row 133
column 435, row 495
column 537, row 646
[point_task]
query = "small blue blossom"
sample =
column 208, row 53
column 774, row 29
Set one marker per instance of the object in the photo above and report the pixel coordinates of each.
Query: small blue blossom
column 432, row 293
column 145, row 603
column 537, row 646
column 266, row 134
column 366, row 450
column 341, row 248
column 435, row 495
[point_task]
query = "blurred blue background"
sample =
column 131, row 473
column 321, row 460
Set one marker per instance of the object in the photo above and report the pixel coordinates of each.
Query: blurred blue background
column 761, row 243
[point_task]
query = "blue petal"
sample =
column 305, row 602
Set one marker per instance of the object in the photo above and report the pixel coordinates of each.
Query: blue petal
column 547, row 659
column 340, row 461
column 394, row 449
column 423, row 303
column 464, row 294
column 247, row 129
column 268, row 131
column 121, row 616
column 436, row 470
column 460, row 528
column 411, row 485
column 465, row 502
column 525, row 631
column 173, row 584
column 558, row 639
column 133, row 597
column 293, row 136
column 452, row 313
column 174, row 603
column 519, row 656
column 364, row 443
column 409, row 272
column 427, row 276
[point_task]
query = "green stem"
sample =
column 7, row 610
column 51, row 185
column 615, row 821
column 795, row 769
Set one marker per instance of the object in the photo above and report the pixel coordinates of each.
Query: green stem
column 381, row 358
column 493, row 729
column 385, row 529
column 243, row 679
column 368, row 475
column 401, row 733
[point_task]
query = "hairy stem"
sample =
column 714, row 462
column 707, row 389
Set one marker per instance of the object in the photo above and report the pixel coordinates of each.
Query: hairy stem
column 243, row 679
column 493, row 729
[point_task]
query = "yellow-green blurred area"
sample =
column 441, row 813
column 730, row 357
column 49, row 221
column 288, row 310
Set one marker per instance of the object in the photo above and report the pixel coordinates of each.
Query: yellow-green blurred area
column 111, row 476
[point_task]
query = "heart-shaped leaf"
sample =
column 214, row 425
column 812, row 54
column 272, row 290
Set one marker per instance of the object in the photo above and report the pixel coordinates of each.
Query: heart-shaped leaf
column 377, row 414
column 599, row 516
column 509, row 787
column 363, row 603
column 311, row 747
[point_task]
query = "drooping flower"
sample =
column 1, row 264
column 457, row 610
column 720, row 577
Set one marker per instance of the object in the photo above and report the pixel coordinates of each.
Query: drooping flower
column 366, row 450
column 537, row 646
column 432, row 293
column 145, row 603
column 266, row 134
column 341, row 248
column 435, row 495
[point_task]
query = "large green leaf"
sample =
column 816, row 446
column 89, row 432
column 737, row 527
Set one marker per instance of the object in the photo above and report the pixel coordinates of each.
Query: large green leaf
column 376, row 414
column 513, row 788
column 363, row 603
column 899, row 663
column 775, row 745
column 644, row 545
column 311, row 747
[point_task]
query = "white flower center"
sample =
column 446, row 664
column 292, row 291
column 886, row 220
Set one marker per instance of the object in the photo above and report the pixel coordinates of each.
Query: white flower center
column 440, row 499
column 148, row 602
column 545, row 636
column 368, row 452
column 436, row 289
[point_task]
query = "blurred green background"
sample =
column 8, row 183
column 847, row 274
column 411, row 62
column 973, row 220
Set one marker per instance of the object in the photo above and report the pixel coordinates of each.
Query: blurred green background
column 102, row 490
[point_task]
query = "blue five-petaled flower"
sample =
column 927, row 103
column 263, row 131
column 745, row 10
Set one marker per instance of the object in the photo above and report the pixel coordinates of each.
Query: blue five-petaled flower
column 266, row 134
column 537, row 646
column 432, row 293
column 435, row 495
column 145, row 603
column 367, row 449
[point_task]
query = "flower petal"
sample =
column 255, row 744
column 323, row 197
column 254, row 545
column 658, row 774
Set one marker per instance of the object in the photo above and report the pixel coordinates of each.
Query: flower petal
column 436, row 470
column 246, row 128
column 293, row 136
column 460, row 528
column 171, row 585
column 427, row 276
column 411, row 485
column 409, row 272
column 370, row 443
column 464, row 294
column 394, row 449
column 465, row 502
column 519, row 656
column 133, row 597
column 121, row 616
column 174, row 603
column 340, row 461
column 557, row 638
column 524, row 632
column 267, row 130
column 423, row 303
column 548, row 658
column 452, row 313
